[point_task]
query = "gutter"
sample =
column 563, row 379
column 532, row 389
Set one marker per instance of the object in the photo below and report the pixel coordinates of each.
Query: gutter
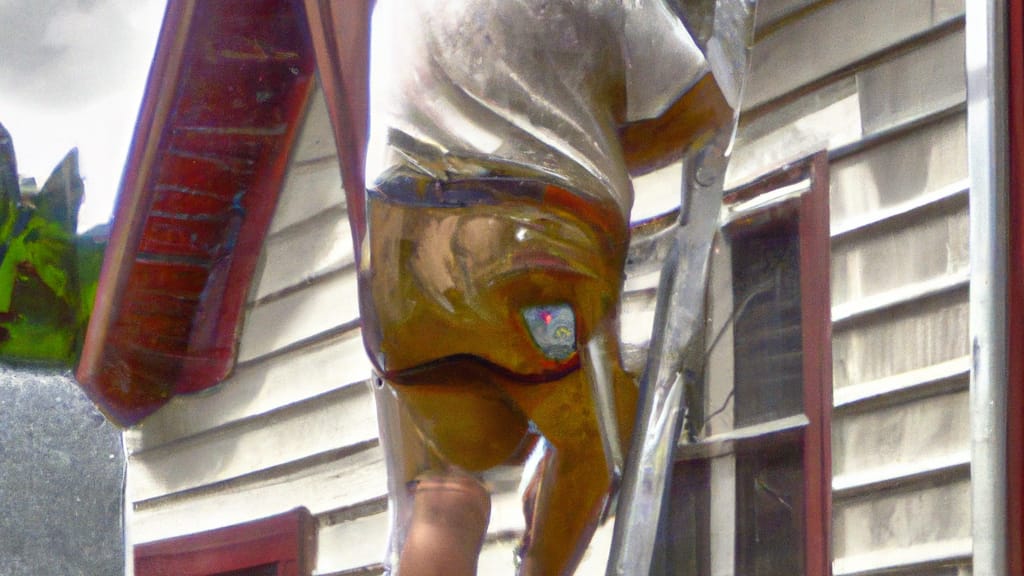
column 988, row 160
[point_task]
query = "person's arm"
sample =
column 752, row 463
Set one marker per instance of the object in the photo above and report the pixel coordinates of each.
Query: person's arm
column 694, row 116
column 672, row 100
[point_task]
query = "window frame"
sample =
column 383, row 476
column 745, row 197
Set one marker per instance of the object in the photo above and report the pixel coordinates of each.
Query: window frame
column 287, row 541
column 1015, row 293
column 811, row 430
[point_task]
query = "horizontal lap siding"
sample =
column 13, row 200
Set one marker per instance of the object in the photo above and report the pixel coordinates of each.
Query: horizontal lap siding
column 881, row 85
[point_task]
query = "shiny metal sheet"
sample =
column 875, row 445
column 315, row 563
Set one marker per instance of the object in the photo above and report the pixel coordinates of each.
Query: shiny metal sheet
column 61, row 479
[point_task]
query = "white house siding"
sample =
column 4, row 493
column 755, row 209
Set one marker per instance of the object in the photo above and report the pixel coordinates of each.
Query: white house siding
column 879, row 83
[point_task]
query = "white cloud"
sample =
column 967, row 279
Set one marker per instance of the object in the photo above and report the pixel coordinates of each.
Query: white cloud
column 85, row 94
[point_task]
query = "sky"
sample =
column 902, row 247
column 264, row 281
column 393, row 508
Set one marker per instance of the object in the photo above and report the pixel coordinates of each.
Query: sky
column 72, row 73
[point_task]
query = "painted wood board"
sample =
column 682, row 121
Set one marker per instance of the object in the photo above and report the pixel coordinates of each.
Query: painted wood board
column 919, row 249
column 842, row 33
column 301, row 254
column 912, row 337
column 316, row 427
column 325, row 487
column 913, row 85
column 316, row 140
column 894, row 172
column 902, row 519
column 309, row 189
column 257, row 389
column 318, row 308
column 922, row 429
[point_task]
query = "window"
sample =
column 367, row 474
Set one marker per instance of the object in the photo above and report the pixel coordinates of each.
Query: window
column 751, row 486
column 282, row 545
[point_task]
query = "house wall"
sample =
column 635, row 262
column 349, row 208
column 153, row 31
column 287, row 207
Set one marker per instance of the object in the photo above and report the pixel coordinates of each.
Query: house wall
column 878, row 83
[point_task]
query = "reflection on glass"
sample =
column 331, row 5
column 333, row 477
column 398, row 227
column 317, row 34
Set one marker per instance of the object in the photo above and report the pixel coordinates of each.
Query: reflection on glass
column 769, row 510
column 768, row 344
column 684, row 548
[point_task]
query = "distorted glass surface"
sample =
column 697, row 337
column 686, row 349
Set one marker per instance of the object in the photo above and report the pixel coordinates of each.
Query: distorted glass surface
column 769, row 512
column 767, row 336
column 685, row 547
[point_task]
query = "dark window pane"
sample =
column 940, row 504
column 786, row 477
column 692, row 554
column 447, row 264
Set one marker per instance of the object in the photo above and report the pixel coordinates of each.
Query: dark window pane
column 767, row 335
column 769, row 510
column 683, row 548
column 264, row 570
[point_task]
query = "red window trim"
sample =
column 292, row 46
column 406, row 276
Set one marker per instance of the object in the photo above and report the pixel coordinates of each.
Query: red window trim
column 815, row 275
column 287, row 541
column 1015, row 291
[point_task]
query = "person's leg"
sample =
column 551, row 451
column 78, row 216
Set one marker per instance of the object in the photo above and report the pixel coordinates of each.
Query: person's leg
column 447, row 527
column 572, row 484
column 434, row 436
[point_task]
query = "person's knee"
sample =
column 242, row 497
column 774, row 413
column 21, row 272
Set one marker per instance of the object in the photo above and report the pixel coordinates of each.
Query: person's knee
column 452, row 500
column 448, row 525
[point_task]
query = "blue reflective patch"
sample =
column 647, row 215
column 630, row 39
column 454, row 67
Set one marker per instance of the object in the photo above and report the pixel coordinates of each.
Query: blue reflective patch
column 553, row 328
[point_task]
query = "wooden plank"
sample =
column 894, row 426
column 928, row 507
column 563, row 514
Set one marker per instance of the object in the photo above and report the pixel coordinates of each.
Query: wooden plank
column 349, row 546
column 769, row 12
column 900, row 211
column 352, row 545
column 926, row 248
column 927, row 428
column 316, row 140
column 300, row 254
column 361, row 542
column 894, row 172
column 898, row 520
column 898, row 297
column 913, row 337
column 841, row 33
column 333, row 485
column 859, row 484
column 496, row 557
column 836, row 123
column 284, row 541
column 316, row 427
column 309, row 189
column 937, row 378
column 258, row 389
column 945, row 558
column 326, row 305
column 657, row 193
column 926, row 80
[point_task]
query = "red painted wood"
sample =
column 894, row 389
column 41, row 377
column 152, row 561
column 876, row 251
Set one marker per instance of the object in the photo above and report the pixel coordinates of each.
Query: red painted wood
column 287, row 541
column 106, row 383
column 228, row 88
column 815, row 274
column 341, row 35
column 1015, row 399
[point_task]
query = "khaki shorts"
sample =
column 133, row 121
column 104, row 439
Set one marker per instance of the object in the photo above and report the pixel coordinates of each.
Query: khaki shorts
column 454, row 270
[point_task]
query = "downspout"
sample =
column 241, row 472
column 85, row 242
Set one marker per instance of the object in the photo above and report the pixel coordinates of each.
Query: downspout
column 987, row 141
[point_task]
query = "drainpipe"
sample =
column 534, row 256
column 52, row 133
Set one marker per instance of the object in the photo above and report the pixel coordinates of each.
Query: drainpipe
column 987, row 141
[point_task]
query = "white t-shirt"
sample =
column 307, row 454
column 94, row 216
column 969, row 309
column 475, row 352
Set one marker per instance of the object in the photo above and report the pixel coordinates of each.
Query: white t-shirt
column 522, row 88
